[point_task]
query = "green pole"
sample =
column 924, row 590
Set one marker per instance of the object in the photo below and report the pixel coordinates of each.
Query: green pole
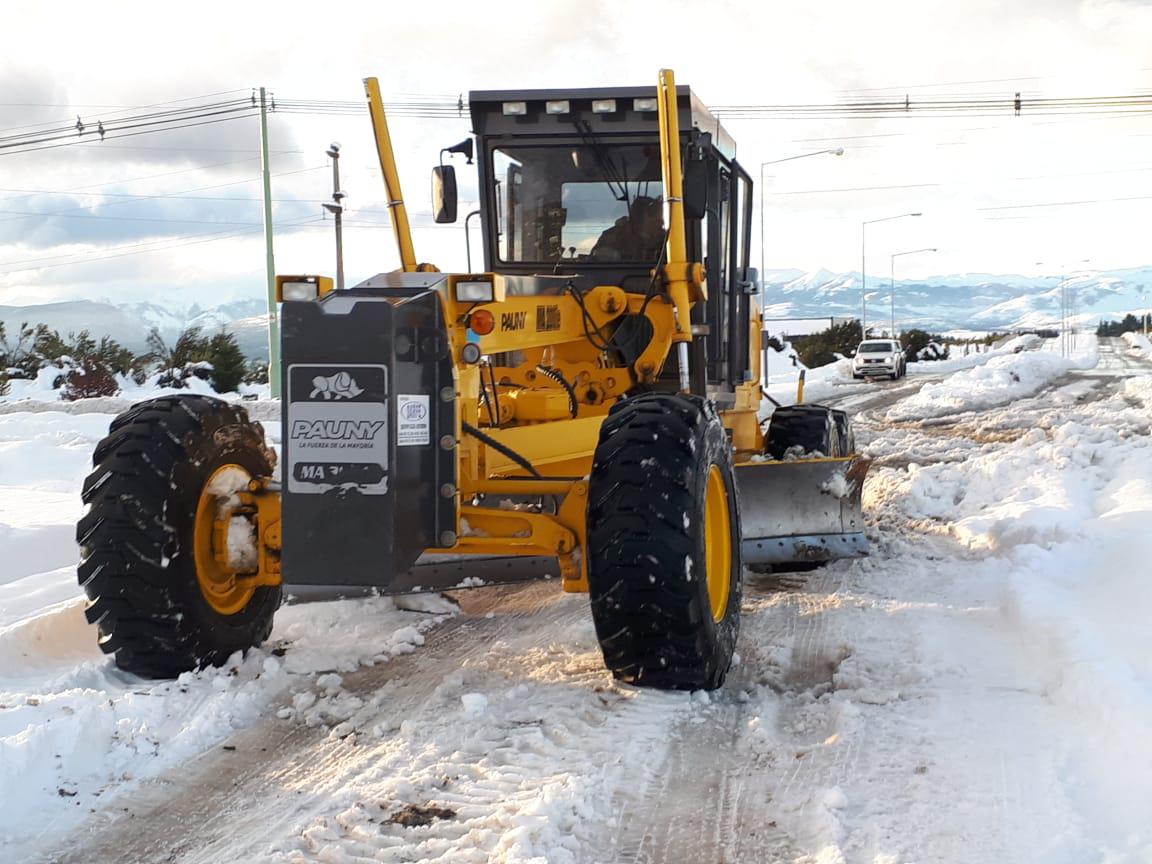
column 270, row 265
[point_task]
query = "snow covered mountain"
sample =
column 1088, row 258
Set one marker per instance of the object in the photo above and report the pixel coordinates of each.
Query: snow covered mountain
column 965, row 300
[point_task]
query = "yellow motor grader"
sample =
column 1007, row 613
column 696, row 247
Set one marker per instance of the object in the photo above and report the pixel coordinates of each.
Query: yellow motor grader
column 588, row 404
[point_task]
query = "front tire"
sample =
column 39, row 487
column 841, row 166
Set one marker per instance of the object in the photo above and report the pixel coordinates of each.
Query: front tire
column 664, row 562
column 157, row 612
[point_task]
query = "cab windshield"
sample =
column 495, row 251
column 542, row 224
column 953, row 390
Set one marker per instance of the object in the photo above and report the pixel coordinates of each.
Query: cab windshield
column 579, row 202
column 876, row 347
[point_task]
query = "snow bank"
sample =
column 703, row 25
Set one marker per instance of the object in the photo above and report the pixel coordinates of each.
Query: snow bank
column 998, row 381
column 1138, row 344
column 1057, row 520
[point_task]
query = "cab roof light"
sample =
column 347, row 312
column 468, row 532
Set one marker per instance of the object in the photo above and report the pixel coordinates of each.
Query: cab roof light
column 645, row 105
column 557, row 106
column 515, row 109
column 603, row 106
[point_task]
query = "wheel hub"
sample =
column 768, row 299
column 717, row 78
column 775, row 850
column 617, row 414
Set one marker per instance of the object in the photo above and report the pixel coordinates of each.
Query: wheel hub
column 717, row 543
column 222, row 537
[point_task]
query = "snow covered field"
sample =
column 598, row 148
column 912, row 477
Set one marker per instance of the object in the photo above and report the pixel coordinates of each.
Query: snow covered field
column 978, row 690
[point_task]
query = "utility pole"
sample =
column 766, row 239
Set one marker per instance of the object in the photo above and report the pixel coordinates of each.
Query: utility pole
column 336, row 208
column 270, row 262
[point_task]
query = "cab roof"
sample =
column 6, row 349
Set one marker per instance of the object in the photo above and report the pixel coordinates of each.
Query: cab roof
column 489, row 117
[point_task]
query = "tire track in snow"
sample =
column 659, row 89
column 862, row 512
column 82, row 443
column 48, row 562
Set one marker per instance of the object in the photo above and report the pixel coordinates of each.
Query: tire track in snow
column 201, row 805
column 532, row 772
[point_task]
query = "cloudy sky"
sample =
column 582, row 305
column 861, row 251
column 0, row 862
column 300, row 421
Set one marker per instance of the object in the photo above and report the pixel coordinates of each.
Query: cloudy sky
column 175, row 215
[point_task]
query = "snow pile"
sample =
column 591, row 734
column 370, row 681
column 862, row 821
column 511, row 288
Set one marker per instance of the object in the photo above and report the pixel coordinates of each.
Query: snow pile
column 999, row 381
column 1138, row 344
column 1061, row 513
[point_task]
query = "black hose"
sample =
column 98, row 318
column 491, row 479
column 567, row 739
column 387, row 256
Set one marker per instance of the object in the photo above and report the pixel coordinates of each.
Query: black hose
column 469, row 429
column 557, row 376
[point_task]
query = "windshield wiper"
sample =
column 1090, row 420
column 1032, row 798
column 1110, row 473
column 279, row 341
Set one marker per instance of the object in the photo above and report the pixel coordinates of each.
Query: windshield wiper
column 612, row 175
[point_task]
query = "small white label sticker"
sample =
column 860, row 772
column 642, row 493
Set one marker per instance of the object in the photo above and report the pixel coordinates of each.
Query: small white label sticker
column 413, row 420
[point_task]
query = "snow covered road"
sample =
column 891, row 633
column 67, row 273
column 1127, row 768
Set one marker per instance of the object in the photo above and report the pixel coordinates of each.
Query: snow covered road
column 978, row 690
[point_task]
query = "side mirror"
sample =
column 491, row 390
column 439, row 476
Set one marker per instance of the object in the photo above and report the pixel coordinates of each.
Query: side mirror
column 444, row 194
column 695, row 189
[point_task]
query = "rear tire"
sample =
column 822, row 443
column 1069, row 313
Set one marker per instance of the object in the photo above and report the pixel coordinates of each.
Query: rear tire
column 665, row 600
column 811, row 427
column 137, row 550
column 844, row 433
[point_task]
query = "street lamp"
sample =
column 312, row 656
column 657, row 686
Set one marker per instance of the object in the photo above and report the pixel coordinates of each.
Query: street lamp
column 892, row 284
column 835, row 151
column 1066, row 339
column 863, row 278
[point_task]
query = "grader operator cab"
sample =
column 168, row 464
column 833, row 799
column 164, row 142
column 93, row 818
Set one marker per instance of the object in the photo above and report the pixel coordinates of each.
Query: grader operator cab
column 589, row 403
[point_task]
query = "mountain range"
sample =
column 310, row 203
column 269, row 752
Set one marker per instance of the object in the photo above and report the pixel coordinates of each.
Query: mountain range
column 968, row 301
column 973, row 301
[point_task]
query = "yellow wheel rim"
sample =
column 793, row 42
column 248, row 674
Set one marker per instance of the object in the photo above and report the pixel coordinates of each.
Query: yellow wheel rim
column 717, row 543
column 221, row 588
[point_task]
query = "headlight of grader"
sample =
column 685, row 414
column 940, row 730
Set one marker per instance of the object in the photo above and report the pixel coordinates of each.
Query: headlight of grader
column 302, row 287
column 475, row 292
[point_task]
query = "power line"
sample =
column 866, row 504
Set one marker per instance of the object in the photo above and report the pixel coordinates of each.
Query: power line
column 1066, row 203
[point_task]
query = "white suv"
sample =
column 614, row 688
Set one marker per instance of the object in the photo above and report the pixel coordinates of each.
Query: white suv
column 879, row 357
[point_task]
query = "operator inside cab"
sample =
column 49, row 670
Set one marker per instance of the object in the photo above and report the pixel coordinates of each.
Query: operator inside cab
column 635, row 237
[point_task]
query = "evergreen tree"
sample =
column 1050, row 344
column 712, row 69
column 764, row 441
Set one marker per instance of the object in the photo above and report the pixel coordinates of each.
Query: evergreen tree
column 228, row 362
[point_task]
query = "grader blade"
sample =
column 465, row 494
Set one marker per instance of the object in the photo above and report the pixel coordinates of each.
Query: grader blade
column 803, row 511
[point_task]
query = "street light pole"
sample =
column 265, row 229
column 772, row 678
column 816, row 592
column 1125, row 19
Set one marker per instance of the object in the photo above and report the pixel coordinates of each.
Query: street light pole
column 835, row 151
column 863, row 264
column 892, row 283
column 1065, row 305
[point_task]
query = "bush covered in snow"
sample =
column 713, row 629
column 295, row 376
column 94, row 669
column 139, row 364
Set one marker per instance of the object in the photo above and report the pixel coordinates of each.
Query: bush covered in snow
column 78, row 366
column 922, row 345
column 89, row 382
column 216, row 359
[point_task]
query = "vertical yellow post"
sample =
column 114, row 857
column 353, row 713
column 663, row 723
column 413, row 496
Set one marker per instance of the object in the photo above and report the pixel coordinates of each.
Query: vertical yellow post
column 400, row 225
column 678, row 269
column 672, row 168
